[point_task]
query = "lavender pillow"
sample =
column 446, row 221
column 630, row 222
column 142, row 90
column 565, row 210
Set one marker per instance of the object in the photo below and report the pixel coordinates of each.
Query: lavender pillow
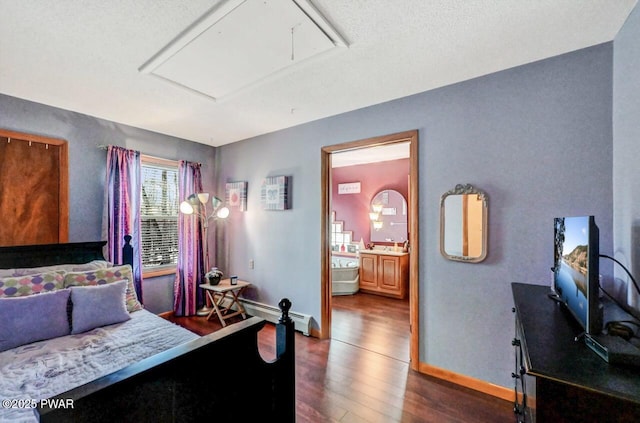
column 17, row 325
column 98, row 305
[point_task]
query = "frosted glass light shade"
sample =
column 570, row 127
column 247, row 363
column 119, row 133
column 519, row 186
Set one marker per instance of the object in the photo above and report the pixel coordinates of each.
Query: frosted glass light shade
column 203, row 197
column 216, row 202
column 186, row 208
column 223, row 213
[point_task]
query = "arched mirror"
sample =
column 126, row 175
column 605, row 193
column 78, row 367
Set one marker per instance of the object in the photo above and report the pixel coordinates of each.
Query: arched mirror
column 463, row 224
column 388, row 215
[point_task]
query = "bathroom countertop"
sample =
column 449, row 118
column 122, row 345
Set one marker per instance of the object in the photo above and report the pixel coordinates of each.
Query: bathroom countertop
column 384, row 252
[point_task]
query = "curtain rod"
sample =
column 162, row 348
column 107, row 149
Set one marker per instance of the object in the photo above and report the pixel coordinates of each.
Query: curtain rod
column 156, row 159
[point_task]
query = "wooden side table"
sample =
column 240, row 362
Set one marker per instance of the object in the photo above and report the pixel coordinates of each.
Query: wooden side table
column 218, row 293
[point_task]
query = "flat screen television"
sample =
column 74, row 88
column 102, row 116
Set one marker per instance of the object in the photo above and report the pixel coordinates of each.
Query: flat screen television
column 576, row 272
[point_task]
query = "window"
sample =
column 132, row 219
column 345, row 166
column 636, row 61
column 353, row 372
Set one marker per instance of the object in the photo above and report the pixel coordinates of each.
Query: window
column 159, row 214
column 340, row 239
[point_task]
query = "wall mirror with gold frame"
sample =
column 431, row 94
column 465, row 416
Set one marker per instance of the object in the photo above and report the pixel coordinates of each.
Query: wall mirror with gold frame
column 464, row 214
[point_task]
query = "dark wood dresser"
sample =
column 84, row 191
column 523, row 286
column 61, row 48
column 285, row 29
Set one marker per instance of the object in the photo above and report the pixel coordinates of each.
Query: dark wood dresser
column 572, row 383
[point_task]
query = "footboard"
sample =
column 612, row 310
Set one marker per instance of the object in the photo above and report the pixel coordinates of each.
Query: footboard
column 219, row 377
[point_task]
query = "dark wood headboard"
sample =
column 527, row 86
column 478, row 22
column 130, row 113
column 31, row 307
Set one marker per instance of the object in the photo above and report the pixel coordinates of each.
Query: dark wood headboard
column 51, row 254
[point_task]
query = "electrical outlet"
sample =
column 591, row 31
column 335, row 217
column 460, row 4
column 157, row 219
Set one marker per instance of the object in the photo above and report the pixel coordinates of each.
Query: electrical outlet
column 251, row 264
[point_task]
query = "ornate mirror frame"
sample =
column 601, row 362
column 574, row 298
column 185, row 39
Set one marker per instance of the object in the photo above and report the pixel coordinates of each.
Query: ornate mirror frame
column 464, row 190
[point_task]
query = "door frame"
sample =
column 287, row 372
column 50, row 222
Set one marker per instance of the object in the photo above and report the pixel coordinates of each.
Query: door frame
column 325, row 262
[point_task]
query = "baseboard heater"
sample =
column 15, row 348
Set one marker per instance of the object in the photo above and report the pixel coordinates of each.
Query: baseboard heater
column 302, row 322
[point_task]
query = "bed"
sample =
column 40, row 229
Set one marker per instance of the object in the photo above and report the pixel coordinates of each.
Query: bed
column 141, row 368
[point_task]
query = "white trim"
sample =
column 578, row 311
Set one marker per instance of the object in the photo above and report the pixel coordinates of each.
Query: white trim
column 302, row 322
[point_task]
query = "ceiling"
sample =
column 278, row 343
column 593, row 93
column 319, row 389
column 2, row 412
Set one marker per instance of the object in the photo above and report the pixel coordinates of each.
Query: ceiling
column 271, row 66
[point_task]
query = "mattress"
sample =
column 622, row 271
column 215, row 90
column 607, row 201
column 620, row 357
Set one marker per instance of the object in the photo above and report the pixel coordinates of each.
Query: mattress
column 43, row 369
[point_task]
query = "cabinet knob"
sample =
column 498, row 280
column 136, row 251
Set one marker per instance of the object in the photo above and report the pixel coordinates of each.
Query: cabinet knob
column 515, row 342
column 513, row 309
column 515, row 376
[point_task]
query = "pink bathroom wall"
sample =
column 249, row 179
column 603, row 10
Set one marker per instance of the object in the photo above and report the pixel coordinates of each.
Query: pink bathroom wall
column 353, row 209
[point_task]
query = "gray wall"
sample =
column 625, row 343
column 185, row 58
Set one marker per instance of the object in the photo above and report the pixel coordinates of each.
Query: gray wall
column 87, row 167
column 626, row 152
column 537, row 139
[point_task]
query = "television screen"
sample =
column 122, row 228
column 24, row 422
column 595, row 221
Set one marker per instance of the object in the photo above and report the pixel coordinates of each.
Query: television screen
column 576, row 269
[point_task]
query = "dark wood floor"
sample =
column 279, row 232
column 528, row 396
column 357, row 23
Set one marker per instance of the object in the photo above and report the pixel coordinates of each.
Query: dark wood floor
column 362, row 374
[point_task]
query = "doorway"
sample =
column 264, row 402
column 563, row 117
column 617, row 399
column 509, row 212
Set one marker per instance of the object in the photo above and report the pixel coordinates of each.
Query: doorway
column 410, row 137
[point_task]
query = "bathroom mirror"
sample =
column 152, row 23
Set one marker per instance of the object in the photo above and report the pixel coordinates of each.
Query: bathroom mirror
column 463, row 224
column 390, row 224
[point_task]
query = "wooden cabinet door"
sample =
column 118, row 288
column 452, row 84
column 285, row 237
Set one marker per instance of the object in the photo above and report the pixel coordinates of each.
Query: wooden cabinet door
column 389, row 274
column 368, row 271
column 34, row 189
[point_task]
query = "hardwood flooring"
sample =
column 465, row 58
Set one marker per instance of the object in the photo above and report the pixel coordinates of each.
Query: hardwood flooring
column 372, row 322
column 362, row 374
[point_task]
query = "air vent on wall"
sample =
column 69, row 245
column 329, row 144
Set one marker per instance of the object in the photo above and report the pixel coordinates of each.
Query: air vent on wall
column 240, row 43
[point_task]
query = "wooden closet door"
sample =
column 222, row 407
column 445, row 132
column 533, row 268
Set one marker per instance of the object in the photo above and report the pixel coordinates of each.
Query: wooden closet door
column 33, row 190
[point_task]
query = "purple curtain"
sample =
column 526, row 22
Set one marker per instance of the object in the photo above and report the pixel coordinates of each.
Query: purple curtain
column 121, row 214
column 190, row 273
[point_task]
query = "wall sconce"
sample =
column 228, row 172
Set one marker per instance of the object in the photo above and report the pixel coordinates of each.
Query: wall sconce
column 375, row 215
column 196, row 204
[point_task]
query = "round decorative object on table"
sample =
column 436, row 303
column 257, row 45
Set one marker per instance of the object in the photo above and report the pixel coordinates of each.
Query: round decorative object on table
column 214, row 280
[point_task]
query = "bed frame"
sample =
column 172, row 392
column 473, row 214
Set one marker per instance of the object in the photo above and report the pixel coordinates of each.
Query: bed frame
column 218, row 377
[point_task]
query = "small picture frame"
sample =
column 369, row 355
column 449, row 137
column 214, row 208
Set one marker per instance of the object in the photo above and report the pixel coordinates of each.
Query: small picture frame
column 274, row 194
column 236, row 193
column 349, row 188
column 234, row 280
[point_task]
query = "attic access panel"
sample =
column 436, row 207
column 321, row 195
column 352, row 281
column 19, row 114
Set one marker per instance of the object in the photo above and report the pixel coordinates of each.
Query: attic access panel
column 240, row 43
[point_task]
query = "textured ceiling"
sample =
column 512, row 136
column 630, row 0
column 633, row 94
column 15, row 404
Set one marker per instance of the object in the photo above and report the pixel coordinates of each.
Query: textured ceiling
column 85, row 55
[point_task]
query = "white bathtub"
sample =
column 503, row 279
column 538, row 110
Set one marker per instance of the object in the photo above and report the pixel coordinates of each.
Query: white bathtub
column 345, row 276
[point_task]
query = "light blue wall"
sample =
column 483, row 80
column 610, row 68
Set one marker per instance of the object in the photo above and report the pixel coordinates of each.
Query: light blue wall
column 626, row 155
column 537, row 139
column 87, row 167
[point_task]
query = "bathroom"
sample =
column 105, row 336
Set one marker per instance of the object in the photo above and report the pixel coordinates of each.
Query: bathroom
column 369, row 216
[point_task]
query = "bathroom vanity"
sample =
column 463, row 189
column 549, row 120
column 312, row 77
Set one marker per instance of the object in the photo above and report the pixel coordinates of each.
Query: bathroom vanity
column 384, row 272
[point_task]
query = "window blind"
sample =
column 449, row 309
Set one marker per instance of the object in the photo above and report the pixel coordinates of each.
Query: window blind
column 159, row 215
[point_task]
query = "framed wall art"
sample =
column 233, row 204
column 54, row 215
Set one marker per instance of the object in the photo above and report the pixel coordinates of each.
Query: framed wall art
column 274, row 194
column 349, row 188
column 236, row 195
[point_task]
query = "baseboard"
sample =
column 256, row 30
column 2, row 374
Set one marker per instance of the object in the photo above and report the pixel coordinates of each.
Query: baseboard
column 468, row 382
column 302, row 322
